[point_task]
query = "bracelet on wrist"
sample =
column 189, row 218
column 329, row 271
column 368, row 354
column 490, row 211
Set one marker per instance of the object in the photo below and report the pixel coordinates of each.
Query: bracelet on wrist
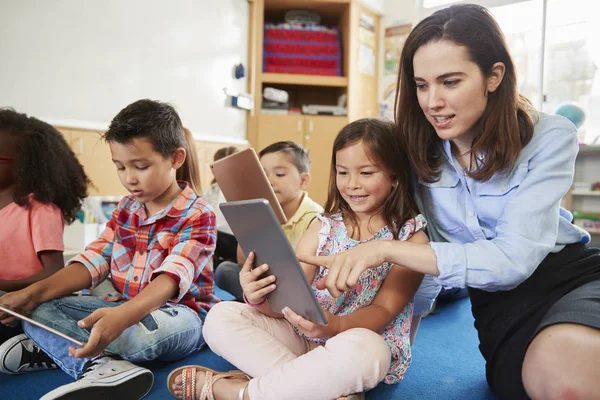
column 251, row 304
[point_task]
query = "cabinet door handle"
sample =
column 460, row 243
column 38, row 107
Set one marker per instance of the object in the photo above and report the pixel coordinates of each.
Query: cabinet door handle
column 77, row 146
column 300, row 126
column 310, row 126
column 307, row 137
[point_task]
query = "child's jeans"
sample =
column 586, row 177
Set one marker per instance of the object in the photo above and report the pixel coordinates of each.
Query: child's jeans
column 285, row 365
column 170, row 333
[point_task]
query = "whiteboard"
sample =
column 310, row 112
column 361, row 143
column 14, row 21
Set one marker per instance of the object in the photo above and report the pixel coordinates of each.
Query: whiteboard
column 82, row 61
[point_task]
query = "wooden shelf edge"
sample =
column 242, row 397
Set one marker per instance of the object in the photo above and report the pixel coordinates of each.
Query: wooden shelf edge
column 305, row 80
column 583, row 192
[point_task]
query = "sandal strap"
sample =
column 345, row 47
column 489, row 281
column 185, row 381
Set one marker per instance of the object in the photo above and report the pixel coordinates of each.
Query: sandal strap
column 207, row 389
column 231, row 375
column 188, row 383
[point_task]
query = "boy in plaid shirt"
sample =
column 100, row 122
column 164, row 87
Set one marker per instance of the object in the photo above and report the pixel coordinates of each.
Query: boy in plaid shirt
column 157, row 248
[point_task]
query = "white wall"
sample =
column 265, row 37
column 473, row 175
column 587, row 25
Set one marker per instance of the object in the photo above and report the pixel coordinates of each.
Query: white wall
column 378, row 6
column 81, row 61
column 401, row 11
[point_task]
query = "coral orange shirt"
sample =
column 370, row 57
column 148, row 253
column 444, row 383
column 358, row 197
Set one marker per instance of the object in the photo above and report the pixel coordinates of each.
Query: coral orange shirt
column 24, row 232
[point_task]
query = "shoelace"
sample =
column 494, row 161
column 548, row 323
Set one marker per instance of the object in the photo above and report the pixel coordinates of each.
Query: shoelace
column 37, row 358
column 89, row 367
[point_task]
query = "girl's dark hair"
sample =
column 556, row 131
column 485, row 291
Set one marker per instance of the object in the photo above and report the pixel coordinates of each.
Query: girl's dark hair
column 44, row 165
column 222, row 153
column 160, row 123
column 189, row 171
column 384, row 149
column 505, row 127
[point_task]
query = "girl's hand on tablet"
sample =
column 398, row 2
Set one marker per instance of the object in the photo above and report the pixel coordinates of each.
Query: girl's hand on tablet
column 20, row 301
column 310, row 329
column 255, row 289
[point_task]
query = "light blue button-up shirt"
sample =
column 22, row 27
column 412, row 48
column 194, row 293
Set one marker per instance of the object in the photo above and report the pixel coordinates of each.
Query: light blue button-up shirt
column 492, row 235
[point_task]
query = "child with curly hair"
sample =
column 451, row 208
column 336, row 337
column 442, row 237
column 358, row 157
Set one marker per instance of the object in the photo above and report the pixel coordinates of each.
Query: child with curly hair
column 42, row 185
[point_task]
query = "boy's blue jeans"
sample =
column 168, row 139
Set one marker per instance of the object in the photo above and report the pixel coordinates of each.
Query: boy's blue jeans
column 170, row 333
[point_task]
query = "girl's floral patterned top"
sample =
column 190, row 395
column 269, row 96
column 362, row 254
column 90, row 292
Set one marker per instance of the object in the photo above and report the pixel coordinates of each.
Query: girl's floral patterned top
column 333, row 239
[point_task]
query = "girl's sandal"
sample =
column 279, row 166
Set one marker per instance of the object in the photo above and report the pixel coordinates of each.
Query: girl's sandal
column 188, row 381
column 355, row 396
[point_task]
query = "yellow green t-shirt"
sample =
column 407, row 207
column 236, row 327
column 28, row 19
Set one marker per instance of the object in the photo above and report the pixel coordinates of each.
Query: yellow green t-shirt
column 295, row 227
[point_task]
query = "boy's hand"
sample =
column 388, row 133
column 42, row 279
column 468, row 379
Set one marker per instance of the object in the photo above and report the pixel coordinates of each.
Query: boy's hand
column 254, row 289
column 22, row 301
column 310, row 329
column 107, row 325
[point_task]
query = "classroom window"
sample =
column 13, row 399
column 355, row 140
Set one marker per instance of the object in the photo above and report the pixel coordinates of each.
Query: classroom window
column 570, row 73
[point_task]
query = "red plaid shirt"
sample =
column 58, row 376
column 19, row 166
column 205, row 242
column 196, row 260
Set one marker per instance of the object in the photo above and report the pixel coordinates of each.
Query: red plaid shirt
column 178, row 240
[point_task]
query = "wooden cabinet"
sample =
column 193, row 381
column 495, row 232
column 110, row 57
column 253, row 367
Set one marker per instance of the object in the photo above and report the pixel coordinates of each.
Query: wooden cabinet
column 94, row 154
column 277, row 128
column 315, row 133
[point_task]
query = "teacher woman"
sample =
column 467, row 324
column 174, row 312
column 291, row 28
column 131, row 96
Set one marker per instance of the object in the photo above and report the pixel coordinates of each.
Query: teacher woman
column 490, row 175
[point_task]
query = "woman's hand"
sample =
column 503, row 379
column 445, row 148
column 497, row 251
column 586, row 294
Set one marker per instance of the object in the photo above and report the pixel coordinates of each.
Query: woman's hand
column 310, row 329
column 345, row 267
column 255, row 289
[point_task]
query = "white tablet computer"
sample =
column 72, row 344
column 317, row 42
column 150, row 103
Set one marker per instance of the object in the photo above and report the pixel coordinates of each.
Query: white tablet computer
column 241, row 177
column 256, row 228
column 39, row 324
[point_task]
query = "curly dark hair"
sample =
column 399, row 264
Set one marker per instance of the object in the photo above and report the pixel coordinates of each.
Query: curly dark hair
column 44, row 165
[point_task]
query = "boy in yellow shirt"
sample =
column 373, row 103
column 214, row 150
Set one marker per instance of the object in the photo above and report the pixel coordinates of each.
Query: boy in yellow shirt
column 287, row 167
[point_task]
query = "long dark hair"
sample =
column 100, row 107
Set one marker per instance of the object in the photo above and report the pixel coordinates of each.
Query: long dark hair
column 505, row 127
column 189, row 171
column 44, row 166
column 160, row 123
column 385, row 150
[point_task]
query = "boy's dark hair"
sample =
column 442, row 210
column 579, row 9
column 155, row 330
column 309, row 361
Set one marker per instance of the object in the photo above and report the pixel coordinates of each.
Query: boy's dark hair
column 296, row 153
column 45, row 165
column 384, row 149
column 160, row 123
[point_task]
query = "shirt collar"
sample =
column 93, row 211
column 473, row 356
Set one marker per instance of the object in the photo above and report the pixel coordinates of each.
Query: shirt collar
column 176, row 208
column 303, row 209
column 447, row 146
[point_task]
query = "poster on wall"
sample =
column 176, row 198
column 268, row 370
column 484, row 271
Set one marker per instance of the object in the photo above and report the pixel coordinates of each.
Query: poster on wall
column 395, row 36
column 366, row 30
column 366, row 60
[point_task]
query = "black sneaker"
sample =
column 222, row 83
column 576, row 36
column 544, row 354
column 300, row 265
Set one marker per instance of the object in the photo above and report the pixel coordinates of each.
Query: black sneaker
column 20, row 354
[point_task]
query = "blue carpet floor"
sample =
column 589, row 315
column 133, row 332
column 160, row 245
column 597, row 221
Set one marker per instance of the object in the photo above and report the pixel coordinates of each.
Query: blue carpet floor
column 446, row 365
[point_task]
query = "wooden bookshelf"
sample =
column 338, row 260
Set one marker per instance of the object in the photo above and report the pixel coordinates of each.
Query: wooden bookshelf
column 315, row 133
